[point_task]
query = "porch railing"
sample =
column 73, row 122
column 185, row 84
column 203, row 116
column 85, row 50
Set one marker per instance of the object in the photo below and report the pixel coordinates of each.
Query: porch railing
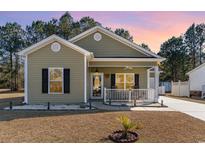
column 129, row 95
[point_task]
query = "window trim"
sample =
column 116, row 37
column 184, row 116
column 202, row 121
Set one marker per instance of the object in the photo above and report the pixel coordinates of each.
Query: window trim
column 125, row 81
column 49, row 69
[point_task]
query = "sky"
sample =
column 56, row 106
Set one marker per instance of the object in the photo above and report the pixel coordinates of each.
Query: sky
column 152, row 28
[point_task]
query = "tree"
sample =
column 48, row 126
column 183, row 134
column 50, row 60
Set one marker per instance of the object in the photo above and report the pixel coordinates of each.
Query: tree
column 124, row 33
column 87, row 23
column 145, row 46
column 176, row 64
column 12, row 40
column 200, row 35
column 36, row 32
column 51, row 27
column 190, row 40
column 65, row 25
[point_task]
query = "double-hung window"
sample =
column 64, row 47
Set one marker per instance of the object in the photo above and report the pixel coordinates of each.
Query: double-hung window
column 55, row 80
column 125, row 80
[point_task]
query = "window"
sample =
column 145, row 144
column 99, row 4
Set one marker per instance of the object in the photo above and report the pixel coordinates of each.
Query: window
column 125, row 80
column 56, row 80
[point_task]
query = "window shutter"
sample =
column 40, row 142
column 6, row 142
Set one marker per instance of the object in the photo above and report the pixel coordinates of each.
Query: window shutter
column 44, row 80
column 136, row 81
column 112, row 81
column 66, row 78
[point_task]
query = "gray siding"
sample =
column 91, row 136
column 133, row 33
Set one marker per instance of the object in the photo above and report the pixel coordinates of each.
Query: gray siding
column 107, row 47
column 66, row 58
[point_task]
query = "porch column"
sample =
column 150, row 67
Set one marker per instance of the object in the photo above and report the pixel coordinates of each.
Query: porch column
column 148, row 79
column 26, row 80
column 156, row 82
column 85, row 79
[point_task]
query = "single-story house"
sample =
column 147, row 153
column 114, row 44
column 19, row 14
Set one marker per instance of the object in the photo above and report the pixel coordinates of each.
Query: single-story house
column 88, row 66
column 197, row 80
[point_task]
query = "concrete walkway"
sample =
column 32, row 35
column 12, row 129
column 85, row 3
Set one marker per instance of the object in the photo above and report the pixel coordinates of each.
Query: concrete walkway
column 52, row 107
column 101, row 106
column 193, row 109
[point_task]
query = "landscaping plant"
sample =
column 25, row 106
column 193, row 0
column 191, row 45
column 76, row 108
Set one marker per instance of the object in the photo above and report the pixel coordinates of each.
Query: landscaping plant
column 127, row 134
column 128, row 125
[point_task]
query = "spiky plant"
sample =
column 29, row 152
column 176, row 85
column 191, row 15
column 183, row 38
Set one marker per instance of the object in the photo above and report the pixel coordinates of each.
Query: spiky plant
column 128, row 125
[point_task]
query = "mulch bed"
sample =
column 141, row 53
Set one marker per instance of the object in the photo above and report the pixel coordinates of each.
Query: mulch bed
column 117, row 136
column 50, row 126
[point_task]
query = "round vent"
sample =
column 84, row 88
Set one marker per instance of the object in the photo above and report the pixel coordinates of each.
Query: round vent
column 55, row 47
column 97, row 36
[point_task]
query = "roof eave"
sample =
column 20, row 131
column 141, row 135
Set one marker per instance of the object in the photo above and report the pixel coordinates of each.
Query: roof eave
column 50, row 39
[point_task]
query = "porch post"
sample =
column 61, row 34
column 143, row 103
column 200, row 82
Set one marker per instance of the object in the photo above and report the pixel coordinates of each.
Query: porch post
column 148, row 79
column 156, row 82
column 105, row 96
column 26, row 80
column 85, row 79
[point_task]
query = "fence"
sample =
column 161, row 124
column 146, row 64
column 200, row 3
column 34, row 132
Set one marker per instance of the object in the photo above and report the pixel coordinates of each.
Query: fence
column 129, row 95
column 180, row 88
column 203, row 91
column 167, row 86
column 161, row 90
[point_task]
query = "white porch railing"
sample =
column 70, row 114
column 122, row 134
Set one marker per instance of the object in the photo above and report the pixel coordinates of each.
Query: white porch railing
column 146, row 95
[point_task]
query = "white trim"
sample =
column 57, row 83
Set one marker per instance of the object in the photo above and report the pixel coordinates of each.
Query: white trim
column 26, row 80
column 85, row 79
column 120, row 65
column 196, row 68
column 114, row 36
column 49, row 68
column 51, row 39
column 102, row 85
column 127, row 59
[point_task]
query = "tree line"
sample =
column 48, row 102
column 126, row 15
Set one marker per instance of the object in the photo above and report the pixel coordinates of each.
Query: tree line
column 183, row 53
column 14, row 38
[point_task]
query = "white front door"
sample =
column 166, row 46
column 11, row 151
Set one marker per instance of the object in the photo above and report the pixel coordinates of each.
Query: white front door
column 96, row 86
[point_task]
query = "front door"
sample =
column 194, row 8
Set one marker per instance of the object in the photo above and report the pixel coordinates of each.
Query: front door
column 97, row 86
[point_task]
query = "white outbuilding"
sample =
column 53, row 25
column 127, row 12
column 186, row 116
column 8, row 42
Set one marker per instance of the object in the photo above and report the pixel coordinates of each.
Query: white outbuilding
column 197, row 79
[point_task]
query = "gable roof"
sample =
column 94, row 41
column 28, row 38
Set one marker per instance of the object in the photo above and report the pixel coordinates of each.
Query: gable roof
column 51, row 39
column 116, row 37
column 200, row 66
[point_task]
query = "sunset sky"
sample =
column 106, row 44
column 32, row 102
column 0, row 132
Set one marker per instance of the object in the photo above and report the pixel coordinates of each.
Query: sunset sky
column 152, row 28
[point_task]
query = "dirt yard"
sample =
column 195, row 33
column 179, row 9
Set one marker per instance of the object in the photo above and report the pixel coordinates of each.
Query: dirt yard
column 45, row 126
column 95, row 126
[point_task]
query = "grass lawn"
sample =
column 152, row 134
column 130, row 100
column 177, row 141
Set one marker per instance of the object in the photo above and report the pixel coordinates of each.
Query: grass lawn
column 52, row 126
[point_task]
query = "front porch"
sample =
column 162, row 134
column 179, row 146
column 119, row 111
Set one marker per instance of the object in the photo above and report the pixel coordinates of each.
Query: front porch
column 131, row 82
column 130, row 97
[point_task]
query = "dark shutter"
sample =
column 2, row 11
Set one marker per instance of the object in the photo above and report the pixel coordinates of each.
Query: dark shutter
column 136, row 81
column 112, row 81
column 66, row 78
column 44, row 80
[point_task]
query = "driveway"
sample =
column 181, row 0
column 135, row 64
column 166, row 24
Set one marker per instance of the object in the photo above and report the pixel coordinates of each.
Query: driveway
column 193, row 109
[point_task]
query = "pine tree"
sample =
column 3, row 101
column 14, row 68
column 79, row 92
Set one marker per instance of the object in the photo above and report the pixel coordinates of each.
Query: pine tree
column 175, row 66
column 12, row 40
